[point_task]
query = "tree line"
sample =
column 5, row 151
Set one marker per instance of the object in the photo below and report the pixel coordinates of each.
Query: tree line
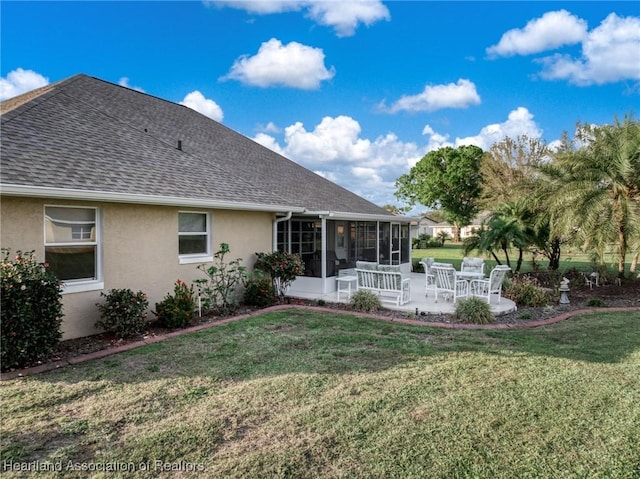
column 582, row 191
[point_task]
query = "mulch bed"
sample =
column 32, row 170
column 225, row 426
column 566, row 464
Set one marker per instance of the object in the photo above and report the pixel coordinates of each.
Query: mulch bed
column 627, row 295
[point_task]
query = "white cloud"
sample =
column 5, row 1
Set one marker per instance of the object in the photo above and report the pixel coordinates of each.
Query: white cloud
column 269, row 142
column 124, row 81
column 259, row 7
column 334, row 139
column 436, row 97
column 610, row 53
column 20, row 81
column 343, row 17
column 196, row 101
column 335, row 150
column 293, row 65
column 519, row 122
column 552, row 30
column 436, row 140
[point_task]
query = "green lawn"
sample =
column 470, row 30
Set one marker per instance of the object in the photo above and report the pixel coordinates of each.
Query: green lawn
column 452, row 253
column 301, row 394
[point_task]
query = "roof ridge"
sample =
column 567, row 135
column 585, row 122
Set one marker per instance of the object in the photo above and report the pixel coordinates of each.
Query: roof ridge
column 34, row 97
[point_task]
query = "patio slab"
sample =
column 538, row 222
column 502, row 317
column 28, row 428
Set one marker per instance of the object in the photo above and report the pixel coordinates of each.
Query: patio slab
column 419, row 300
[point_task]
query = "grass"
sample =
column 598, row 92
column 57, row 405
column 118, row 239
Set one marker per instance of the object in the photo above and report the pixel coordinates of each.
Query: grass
column 302, row 394
column 453, row 253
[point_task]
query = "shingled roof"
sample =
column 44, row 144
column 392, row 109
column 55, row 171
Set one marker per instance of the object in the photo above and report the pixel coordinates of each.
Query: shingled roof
column 85, row 135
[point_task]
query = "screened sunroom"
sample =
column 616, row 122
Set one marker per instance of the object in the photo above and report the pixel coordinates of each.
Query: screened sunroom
column 329, row 243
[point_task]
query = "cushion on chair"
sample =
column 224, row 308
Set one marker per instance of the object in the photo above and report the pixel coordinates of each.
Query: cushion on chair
column 392, row 269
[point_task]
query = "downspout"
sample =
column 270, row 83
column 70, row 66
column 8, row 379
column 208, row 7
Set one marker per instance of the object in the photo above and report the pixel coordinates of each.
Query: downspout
column 275, row 228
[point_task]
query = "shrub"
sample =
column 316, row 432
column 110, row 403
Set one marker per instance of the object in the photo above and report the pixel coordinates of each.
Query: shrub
column 259, row 291
column 525, row 291
column 123, row 312
column 365, row 301
column 474, row 310
column 177, row 310
column 282, row 267
column 30, row 310
column 596, row 303
column 218, row 290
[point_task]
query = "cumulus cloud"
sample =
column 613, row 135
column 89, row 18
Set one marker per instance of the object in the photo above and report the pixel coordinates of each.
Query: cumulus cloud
column 610, row 53
column 20, row 81
column 336, row 150
column 293, row 65
column 343, row 17
column 435, row 140
column 519, row 122
column 269, row 142
column 552, row 30
column 334, row 139
column 436, row 97
column 197, row 101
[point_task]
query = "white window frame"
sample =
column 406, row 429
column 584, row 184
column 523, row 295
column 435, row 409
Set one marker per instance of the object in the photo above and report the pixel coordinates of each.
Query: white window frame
column 80, row 285
column 205, row 257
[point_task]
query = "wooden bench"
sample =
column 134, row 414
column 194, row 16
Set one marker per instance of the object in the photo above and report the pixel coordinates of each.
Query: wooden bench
column 389, row 285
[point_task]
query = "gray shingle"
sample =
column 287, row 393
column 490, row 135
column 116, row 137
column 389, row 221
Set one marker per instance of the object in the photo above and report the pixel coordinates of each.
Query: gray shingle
column 88, row 134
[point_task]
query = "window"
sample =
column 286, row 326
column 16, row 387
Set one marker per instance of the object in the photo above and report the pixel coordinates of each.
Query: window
column 72, row 246
column 194, row 234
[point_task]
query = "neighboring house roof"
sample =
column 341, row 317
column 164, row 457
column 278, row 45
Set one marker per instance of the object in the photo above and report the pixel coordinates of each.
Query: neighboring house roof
column 98, row 140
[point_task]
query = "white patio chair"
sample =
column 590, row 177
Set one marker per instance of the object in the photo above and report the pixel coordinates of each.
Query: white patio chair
column 472, row 265
column 430, row 279
column 446, row 282
column 484, row 288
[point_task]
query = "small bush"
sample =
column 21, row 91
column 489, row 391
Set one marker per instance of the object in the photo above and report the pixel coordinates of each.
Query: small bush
column 30, row 311
column 123, row 313
column 282, row 267
column 525, row 291
column 473, row 310
column 220, row 287
column 259, row 291
column 596, row 303
column 365, row 301
column 177, row 310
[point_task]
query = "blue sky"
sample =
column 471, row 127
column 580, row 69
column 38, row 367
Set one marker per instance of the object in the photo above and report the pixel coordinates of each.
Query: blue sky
column 356, row 91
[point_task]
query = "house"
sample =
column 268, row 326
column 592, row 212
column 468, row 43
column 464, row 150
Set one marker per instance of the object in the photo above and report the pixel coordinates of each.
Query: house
column 115, row 188
column 433, row 228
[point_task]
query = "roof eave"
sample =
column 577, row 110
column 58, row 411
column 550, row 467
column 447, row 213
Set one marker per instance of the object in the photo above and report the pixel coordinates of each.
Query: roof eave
column 343, row 215
column 113, row 197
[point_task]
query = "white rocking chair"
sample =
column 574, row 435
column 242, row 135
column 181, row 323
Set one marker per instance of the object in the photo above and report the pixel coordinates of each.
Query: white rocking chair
column 447, row 284
column 484, row 288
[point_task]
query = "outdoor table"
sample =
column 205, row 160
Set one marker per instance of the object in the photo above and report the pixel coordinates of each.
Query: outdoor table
column 468, row 276
column 347, row 279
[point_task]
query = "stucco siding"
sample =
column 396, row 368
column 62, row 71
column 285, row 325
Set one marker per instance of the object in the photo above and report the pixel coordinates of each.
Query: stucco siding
column 139, row 246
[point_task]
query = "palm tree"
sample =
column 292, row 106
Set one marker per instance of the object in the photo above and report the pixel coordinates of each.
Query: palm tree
column 510, row 226
column 595, row 190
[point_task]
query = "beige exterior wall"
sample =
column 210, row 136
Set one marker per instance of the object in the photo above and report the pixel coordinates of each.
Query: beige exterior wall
column 139, row 247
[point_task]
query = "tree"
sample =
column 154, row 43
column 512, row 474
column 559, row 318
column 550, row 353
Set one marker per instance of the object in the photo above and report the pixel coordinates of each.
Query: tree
column 595, row 189
column 448, row 178
column 510, row 174
column 509, row 169
column 396, row 210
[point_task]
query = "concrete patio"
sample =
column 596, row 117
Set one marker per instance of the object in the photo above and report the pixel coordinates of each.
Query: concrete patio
column 420, row 301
